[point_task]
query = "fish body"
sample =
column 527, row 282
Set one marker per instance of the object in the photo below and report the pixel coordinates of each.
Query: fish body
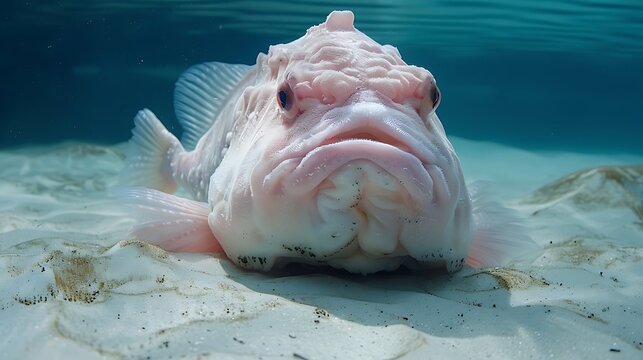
column 327, row 151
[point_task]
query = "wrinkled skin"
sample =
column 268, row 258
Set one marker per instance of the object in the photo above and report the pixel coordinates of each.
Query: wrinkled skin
column 337, row 157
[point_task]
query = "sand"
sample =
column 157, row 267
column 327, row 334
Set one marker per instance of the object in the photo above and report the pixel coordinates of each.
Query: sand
column 74, row 284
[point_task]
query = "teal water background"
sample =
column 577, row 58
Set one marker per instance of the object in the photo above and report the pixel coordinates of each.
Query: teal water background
column 550, row 75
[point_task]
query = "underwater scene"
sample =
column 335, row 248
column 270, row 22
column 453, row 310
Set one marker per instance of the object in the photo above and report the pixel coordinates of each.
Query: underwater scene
column 321, row 179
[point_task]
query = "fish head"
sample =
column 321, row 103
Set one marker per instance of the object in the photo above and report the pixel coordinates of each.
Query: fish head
column 338, row 157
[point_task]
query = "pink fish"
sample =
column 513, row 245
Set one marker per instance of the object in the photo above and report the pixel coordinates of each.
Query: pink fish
column 327, row 151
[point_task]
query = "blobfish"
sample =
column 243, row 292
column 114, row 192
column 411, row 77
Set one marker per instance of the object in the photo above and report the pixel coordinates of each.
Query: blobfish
column 328, row 151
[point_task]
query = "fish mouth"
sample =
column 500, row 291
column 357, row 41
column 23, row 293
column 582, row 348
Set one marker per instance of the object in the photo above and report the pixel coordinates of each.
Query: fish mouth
column 371, row 134
column 327, row 161
column 395, row 142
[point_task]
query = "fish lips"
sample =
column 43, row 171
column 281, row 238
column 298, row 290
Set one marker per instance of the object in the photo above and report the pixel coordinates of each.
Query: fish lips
column 323, row 163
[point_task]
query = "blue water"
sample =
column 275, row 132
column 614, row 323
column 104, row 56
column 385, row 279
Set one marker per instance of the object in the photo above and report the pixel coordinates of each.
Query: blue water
column 535, row 74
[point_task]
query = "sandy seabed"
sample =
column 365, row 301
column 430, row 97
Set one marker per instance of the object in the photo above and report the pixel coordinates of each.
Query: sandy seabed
column 74, row 284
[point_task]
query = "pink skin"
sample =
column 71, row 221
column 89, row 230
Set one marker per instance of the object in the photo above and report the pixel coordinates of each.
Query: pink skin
column 318, row 173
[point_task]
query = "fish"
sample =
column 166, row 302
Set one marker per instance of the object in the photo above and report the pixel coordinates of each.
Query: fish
column 328, row 151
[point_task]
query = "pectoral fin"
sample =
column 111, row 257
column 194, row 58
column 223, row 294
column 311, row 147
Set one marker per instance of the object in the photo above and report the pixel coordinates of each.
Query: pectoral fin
column 500, row 235
column 171, row 222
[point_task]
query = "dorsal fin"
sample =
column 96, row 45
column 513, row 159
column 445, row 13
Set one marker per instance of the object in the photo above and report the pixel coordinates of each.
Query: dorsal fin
column 201, row 93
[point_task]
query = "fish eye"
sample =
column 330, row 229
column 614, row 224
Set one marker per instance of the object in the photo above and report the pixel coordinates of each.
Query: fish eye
column 436, row 96
column 285, row 97
column 431, row 99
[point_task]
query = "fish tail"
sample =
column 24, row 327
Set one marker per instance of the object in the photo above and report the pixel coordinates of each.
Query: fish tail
column 150, row 154
column 170, row 222
column 500, row 234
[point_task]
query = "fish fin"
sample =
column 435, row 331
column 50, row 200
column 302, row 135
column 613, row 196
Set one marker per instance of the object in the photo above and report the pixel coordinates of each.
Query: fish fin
column 500, row 234
column 150, row 154
column 170, row 222
column 200, row 95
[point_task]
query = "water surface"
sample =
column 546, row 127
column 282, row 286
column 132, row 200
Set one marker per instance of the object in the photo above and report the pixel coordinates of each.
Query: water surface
column 538, row 74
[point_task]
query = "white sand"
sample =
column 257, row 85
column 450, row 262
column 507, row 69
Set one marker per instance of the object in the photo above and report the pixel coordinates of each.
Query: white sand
column 73, row 285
